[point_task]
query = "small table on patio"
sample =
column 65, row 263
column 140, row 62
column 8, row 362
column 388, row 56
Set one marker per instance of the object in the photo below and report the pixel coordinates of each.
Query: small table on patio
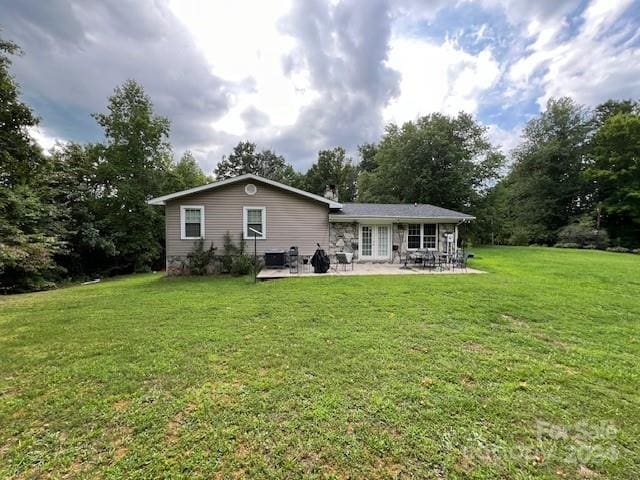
column 416, row 257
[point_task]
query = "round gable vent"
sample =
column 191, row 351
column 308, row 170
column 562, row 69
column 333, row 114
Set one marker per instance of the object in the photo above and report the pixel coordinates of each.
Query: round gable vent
column 250, row 189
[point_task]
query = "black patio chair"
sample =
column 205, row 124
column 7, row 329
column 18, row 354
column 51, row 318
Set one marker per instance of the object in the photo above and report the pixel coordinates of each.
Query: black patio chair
column 460, row 260
column 429, row 261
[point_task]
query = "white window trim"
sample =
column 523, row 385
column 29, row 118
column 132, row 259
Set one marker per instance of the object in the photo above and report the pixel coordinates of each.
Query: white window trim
column 245, row 230
column 183, row 233
column 422, row 237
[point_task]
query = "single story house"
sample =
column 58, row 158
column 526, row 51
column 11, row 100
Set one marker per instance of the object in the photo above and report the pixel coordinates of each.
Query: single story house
column 284, row 216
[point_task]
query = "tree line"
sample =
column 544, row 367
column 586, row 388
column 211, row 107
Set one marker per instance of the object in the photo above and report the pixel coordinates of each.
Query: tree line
column 80, row 210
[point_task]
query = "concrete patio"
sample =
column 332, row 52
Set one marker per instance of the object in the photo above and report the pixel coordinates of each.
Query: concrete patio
column 363, row 269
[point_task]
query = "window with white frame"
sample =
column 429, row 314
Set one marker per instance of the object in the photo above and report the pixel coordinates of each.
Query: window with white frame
column 429, row 235
column 191, row 222
column 255, row 223
column 422, row 235
column 414, row 236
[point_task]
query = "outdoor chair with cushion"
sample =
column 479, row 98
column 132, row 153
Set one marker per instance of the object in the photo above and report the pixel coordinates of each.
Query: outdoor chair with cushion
column 344, row 259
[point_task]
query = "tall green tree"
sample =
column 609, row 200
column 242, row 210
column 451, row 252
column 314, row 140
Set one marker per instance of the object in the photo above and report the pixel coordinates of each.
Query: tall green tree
column 30, row 230
column 615, row 170
column 90, row 247
column 134, row 162
column 438, row 159
column 546, row 186
column 246, row 158
column 367, row 152
column 184, row 174
column 608, row 109
column 333, row 167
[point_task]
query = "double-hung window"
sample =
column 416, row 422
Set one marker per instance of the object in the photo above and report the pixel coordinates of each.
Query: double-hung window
column 414, row 236
column 255, row 223
column 191, row 222
column 429, row 235
column 422, row 236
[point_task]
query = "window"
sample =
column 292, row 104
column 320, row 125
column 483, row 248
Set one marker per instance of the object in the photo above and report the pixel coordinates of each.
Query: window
column 191, row 222
column 429, row 235
column 255, row 221
column 413, row 240
column 422, row 236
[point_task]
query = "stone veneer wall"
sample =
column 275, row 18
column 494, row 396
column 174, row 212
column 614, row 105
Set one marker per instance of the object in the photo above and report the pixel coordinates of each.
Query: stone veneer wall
column 177, row 265
column 343, row 237
column 399, row 238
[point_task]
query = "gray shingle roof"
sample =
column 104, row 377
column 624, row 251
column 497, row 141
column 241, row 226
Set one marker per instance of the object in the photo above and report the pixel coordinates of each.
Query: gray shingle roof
column 397, row 210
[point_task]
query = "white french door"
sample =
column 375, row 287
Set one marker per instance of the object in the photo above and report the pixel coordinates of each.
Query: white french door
column 375, row 242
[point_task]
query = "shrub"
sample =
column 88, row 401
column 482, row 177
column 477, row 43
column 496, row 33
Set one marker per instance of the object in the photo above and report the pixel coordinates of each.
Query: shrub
column 583, row 233
column 229, row 251
column 518, row 237
column 618, row 249
column 242, row 265
column 590, row 247
column 199, row 260
column 567, row 245
column 636, row 251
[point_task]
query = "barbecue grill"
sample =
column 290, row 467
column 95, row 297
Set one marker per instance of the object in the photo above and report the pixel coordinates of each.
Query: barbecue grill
column 275, row 258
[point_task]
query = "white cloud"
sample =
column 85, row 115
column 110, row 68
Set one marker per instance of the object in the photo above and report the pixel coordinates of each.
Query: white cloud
column 597, row 63
column 438, row 77
column 505, row 139
column 44, row 139
column 300, row 75
column 242, row 43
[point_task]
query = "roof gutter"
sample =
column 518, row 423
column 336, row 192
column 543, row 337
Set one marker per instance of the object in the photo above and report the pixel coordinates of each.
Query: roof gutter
column 351, row 219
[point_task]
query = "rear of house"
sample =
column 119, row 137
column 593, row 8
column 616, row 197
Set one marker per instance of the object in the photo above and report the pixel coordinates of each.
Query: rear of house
column 274, row 216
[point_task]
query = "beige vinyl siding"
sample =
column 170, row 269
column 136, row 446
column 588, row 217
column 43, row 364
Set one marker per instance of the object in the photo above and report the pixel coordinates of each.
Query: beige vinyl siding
column 290, row 219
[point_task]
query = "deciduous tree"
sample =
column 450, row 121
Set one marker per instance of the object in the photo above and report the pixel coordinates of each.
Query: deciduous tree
column 132, row 167
column 30, row 230
column 547, row 188
column 437, row 159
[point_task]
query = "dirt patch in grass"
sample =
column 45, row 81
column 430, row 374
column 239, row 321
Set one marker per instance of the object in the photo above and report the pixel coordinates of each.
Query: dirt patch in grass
column 427, row 381
column 121, row 405
column 467, row 380
column 173, row 428
column 586, row 472
column 120, row 439
column 517, row 322
column 476, row 347
column 553, row 341
column 387, row 468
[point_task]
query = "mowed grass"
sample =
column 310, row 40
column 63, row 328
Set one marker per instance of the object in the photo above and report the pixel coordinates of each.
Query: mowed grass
column 530, row 371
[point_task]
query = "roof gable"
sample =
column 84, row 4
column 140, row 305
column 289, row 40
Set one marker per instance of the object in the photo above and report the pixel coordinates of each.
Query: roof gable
column 248, row 176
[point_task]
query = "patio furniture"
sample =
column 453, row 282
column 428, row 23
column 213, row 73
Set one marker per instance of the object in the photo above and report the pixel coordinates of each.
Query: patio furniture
column 306, row 263
column 344, row 259
column 416, row 257
column 429, row 261
column 293, row 260
column 460, row 260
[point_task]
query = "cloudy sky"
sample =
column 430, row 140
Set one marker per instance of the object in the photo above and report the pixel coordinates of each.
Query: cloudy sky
column 299, row 76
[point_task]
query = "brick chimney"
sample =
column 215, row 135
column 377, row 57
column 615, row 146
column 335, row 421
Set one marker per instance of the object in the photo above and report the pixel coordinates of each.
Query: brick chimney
column 331, row 192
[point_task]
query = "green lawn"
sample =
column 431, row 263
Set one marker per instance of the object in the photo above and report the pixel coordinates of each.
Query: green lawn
column 529, row 371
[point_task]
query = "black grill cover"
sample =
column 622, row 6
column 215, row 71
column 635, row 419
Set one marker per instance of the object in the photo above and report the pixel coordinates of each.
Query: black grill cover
column 320, row 261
